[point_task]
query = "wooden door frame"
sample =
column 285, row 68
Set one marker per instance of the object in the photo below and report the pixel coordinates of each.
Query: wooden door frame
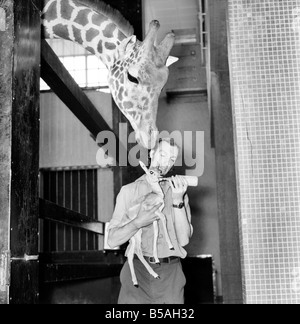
column 223, row 130
column 19, row 157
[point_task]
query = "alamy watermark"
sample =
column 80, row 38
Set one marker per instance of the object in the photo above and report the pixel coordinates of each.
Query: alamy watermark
column 191, row 149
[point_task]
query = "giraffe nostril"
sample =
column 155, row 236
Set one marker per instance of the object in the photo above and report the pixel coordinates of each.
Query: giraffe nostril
column 155, row 23
column 153, row 132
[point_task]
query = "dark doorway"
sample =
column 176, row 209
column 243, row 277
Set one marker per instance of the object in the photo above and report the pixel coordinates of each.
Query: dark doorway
column 200, row 288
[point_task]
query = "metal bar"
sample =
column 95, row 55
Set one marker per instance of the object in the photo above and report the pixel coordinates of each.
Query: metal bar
column 64, row 204
column 27, row 258
column 71, row 207
column 201, row 21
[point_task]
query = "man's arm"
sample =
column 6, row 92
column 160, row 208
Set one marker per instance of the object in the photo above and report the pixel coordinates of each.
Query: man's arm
column 130, row 221
column 183, row 227
column 120, row 235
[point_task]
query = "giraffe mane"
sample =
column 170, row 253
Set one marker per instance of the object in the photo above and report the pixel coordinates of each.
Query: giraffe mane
column 114, row 15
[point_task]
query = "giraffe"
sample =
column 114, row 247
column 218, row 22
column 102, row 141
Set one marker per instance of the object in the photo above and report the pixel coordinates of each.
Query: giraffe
column 137, row 70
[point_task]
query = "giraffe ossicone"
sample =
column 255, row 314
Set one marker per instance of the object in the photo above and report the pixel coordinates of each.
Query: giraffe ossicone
column 137, row 70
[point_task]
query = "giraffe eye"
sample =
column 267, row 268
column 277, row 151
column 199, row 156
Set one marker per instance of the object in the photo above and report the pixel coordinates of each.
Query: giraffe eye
column 132, row 79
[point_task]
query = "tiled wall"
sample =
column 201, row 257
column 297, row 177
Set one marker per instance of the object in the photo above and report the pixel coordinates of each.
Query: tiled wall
column 264, row 41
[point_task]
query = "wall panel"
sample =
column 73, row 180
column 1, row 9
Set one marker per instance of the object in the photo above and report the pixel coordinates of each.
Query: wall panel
column 65, row 142
column 265, row 68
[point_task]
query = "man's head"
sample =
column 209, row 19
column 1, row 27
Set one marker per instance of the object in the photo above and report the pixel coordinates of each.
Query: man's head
column 164, row 156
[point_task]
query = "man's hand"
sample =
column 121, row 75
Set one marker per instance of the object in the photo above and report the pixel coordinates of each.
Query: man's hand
column 147, row 213
column 179, row 188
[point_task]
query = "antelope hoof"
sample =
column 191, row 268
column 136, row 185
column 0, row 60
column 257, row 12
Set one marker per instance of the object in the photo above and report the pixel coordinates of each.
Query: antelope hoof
column 172, row 249
column 137, row 286
column 158, row 278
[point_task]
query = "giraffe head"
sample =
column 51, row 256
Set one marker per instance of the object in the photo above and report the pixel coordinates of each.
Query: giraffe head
column 136, row 79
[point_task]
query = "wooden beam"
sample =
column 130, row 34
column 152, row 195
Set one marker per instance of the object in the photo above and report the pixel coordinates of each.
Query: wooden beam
column 71, row 266
column 54, row 273
column 85, row 257
column 54, row 213
column 225, row 156
column 19, row 153
column 61, row 82
column 20, row 289
column 6, row 76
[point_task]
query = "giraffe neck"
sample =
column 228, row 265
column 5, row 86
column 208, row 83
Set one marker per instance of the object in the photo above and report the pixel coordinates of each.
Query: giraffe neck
column 83, row 23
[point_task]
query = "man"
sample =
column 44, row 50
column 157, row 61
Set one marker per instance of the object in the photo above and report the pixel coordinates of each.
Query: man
column 169, row 289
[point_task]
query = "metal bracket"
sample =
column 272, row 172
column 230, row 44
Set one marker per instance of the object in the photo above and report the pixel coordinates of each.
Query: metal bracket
column 4, row 270
column 27, row 258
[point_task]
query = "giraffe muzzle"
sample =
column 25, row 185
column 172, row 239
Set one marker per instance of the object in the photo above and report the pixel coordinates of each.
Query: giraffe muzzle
column 147, row 140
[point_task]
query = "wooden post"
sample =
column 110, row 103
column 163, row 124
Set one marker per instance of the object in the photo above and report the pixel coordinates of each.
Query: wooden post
column 19, row 150
column 225, row 156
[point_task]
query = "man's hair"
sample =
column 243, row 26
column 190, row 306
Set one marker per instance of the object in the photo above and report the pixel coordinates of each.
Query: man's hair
column 168, row 140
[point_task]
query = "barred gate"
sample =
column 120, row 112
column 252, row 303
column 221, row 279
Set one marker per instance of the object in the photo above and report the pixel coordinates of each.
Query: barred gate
column 76, row 190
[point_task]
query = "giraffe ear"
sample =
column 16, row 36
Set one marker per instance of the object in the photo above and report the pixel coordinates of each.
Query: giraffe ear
column 128, row 43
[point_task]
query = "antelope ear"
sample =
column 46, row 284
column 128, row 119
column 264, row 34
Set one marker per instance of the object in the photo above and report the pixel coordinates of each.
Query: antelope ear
column 128, row 44
column 143, row 166
column 171, row 60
